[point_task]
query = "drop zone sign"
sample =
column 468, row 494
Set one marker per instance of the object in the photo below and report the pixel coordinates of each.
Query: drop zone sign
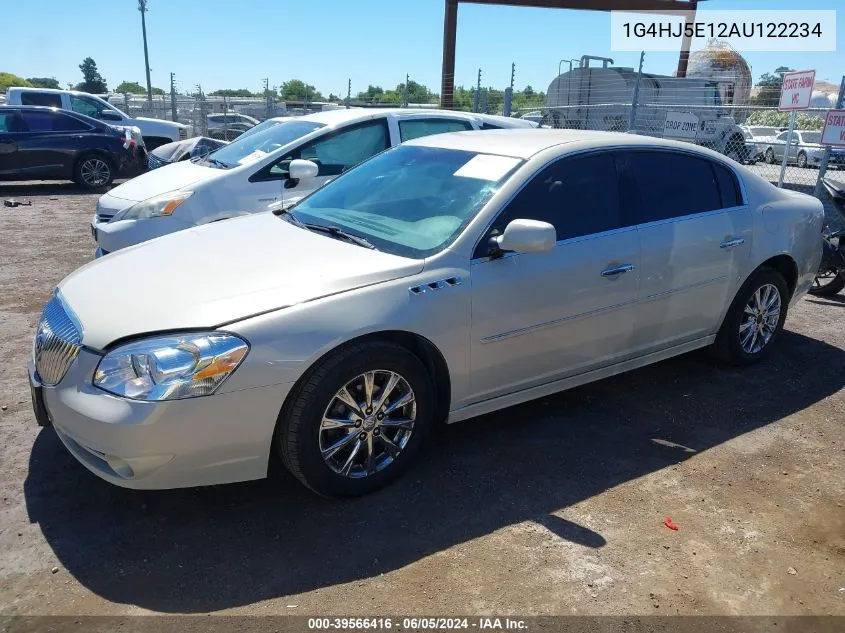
column 682, row 125
column 834, row 128
column 796, row 90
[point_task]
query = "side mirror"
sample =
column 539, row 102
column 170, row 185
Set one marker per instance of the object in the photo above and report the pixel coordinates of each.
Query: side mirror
column 302, row 169
column 526, row 236
column 110, row 115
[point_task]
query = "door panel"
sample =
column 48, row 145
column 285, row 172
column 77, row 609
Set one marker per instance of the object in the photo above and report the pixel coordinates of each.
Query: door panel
column 542, row 316
column 695, row 234
column 688, row 276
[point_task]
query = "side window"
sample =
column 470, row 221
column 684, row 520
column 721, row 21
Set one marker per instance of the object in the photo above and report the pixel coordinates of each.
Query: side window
column 672, row 184
column 728, row 186
column 415, row 128
column 39, row 121
column 86, row 105
column 578, row 196
column 341, row 150
column 490, row 126
column 782, row 136
column 50, row 99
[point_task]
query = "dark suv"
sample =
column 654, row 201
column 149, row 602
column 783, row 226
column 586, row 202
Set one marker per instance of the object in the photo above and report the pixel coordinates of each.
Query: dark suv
column 40, row 143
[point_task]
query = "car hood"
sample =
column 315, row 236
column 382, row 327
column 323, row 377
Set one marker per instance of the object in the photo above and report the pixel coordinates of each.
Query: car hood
column 217, row 273
column 164, row 179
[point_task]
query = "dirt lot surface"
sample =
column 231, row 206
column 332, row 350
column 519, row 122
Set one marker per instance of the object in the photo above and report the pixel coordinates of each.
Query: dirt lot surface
column 553, row 507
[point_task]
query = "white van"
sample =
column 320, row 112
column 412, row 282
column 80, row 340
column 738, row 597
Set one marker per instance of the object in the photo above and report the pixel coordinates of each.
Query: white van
column 252, row 173
column 154, row 131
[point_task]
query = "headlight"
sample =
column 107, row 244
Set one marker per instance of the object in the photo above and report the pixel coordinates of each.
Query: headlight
column 171, row 367
column 165, row 204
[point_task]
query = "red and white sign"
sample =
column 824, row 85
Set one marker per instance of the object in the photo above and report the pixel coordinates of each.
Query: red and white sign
column 834, row 128
column 797, row 90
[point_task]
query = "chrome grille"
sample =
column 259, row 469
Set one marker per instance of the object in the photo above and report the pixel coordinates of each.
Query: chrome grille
column 57, row 342
column 104, row 217
column 154, row 161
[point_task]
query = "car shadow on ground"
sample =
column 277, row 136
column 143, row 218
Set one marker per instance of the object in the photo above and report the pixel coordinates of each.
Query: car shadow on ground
column 22, row 190
column 199, row 550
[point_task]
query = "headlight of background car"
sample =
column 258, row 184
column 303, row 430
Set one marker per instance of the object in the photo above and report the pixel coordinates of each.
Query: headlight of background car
column 165, row 204
column 170, row 367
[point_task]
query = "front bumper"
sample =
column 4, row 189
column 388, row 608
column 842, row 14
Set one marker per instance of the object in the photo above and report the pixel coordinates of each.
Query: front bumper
column 112, row 236
column 222, row 438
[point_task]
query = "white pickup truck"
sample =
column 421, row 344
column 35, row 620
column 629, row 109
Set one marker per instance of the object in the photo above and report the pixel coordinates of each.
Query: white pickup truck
column 155, row 131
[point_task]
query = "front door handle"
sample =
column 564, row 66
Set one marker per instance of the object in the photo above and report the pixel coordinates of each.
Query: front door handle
column 618, row 270
column 732, row 243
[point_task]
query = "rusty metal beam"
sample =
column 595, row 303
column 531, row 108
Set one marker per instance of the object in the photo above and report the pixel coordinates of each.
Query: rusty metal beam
column 450, row 27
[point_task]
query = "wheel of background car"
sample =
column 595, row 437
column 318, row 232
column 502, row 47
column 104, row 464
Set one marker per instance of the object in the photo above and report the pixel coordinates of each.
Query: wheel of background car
column 93, row 172
column 770, row 155
column 827, row 283
column 734, row 149
column 802, row 159
column 356, row 421
column 754, row 319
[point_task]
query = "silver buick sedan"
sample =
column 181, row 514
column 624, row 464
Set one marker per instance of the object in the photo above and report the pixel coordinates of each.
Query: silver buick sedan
column 448, row 277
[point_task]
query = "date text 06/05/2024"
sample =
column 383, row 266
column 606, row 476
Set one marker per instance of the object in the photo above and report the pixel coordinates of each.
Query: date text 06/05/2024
column 417, row 623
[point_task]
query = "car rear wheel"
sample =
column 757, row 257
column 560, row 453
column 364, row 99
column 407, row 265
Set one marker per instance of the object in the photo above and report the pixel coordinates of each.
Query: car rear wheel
column 827, row 283
column 93, row 172
column 770, row 156
column 754, row 319
column 357, row 420
column 802, row 160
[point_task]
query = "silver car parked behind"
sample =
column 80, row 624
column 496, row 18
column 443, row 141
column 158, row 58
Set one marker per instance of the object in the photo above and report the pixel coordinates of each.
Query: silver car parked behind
column 451, row 276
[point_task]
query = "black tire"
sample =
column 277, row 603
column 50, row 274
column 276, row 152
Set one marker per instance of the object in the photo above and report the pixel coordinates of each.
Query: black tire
column 769, row 156
column 802, row 160
column 727, row 346
column 94, row 171
column 298, row 428
column 830, row 288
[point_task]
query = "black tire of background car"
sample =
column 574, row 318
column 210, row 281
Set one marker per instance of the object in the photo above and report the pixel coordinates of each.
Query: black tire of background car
column 727, row 346
column 297, row 429
column 830, row 288
column 802, row 159
column 770, row 156
column 77, row 170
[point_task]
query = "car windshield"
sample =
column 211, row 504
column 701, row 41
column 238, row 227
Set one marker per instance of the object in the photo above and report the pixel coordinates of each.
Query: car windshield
column 409, row 201
column 254, row 146
column 764, row 131
column 260, row 128
column 811, row 137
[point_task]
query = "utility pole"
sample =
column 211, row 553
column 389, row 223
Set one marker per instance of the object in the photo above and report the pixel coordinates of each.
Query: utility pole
column 506, row 108
column 142, row 7
column 173, row 96
column 405, row 91
column 476, row 98
column 269, row 105
column 348, row 93
column 633, row 119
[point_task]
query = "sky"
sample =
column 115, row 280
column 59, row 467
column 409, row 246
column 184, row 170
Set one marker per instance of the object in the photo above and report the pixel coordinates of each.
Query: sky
column 229, row 44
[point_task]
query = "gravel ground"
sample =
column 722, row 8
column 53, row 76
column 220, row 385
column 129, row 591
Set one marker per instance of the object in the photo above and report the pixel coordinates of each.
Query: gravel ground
column 552, row 507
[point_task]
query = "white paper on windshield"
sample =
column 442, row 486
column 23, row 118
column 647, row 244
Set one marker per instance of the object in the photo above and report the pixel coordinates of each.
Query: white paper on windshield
column 487, row 167
column 251, row 158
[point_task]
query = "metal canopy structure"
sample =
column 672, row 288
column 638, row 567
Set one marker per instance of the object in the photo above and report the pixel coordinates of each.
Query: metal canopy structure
column 450, row 27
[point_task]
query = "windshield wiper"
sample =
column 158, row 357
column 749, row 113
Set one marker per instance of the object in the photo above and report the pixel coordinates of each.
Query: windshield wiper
column 217, row 163
column 336, row 231
column 290, row 217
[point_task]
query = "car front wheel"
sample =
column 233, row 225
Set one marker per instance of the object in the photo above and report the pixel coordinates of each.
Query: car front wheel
column 754, row 319
column 93, row 172
column 357, row 420
column 769, row 156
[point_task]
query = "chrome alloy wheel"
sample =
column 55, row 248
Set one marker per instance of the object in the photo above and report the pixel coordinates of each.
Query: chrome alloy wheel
column 760, row 319
column 94, row 172
column 367, row 423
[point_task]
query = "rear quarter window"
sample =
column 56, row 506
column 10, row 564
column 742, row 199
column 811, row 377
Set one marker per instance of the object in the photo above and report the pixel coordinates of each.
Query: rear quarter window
column 41, row 99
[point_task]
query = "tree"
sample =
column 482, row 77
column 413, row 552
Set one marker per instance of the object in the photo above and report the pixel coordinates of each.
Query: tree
column 769, row 88
column 373, row 94
column 157, row 91
column 8, row 80
column 44, row 82
column 774, row 118
column 231, row 92
column 131, row 87
column 528, row 91
column 298, row 90
column 92, row 80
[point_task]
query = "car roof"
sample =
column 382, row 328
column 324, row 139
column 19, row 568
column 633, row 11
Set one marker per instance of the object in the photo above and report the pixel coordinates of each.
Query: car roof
column 342, row 116
column 525, row 143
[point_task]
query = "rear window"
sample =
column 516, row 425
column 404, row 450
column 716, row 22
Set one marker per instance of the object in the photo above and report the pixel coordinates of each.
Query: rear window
column 41, row 99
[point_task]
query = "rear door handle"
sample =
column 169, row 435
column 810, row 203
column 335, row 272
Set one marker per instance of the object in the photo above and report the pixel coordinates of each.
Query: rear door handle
column 618, row 270
column 732, row 243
